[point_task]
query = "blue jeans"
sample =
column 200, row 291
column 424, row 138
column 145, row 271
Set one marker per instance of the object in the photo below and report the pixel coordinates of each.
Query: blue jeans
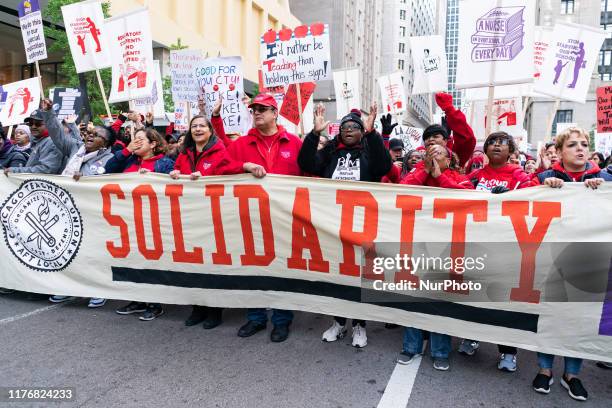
column 440, row 344
column 279, row 317
column 572, row 364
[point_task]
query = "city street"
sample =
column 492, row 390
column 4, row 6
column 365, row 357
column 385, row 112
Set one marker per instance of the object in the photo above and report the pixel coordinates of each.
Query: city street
column 119, row 361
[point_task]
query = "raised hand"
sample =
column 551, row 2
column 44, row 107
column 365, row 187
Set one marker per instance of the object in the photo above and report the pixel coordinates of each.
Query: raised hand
column 369, row 124
column 319, row 120
column 387, row 126
column 46, row 104
column 149, row 117
column 216, row 111
column 70, row 119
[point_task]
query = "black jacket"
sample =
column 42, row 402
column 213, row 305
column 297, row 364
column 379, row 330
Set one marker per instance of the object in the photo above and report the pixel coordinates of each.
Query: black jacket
column 337, row 161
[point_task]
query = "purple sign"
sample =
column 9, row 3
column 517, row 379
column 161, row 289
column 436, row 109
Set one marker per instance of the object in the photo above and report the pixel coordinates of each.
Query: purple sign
column 499, row 35
column 26, row 7
column 605, row 324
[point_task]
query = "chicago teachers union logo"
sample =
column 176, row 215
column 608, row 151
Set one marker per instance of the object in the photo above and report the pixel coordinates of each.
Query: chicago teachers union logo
column 42, row 226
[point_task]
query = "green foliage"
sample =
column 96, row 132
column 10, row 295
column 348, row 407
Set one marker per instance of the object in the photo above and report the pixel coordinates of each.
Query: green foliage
column 67, row 71
column 167, row 80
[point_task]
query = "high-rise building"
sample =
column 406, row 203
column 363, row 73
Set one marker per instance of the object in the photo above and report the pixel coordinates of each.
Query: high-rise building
column 605, row 55
column 548, row 12
column 355, row 40
column 405, row 19
column 449, row 20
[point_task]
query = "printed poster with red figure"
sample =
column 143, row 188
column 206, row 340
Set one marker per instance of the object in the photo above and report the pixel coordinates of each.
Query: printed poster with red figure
column 392, row 93
column 22, row 98
column 295, row 56
column 87, row 36
column 129, row 39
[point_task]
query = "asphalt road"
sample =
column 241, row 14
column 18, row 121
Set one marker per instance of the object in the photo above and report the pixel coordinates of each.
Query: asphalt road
column 119, row 361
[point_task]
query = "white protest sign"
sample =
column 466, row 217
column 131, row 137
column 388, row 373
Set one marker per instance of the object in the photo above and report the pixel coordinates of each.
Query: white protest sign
column 570, row 61
column 155, row 101
column 182, row 71
column 22, row 98
column 543, row 36
column 495, row 42
column 181, row 119
column 507, row 117
column 132, row 55
column 392, row 92
column 501, row 92
column 223, row 77
column 30, row 20
column 87, row 36
column 411, row 136
column 561, row 126
column 346, row 88
column 295, row 56
column 603, row 143
column 430, row 65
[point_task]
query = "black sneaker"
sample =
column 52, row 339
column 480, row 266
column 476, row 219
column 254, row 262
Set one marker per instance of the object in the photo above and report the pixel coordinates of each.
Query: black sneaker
column 197, row 316
column 151, row 313
column 575, row 389
column 250, row 328
column 214, row 318
column 279, row 333
column 405, row 358
column 542, row 383
column 132, row 307
column 391, row 326
column 604, row 365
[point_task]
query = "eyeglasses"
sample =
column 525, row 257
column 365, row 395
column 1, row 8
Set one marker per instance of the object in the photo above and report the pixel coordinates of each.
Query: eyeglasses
column 350, row 127
column 261, row 109
column 36, row 122
column 502, row 141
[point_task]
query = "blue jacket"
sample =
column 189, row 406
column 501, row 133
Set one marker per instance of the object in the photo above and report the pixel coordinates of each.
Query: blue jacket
column 560, row 173
column 120, row 162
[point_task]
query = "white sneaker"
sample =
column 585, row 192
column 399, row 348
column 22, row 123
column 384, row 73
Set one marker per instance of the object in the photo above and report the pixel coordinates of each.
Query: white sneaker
column 360, row 339
column 335, row 332
column 96, row 302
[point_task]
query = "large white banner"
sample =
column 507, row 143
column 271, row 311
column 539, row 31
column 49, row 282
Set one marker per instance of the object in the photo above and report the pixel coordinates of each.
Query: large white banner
column 392, row 93
column 22, row 98
column 495, row 44
column 132, row 55
column 155, row 101
column 182, row 70
column 430, row 65
column 294, row 243
column 295, row 56
column 348, row 93
column 569, row 62
column 222, row 77
column 30, row 21
column 87, row 36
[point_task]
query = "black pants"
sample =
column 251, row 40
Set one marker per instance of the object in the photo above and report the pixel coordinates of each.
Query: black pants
column 342, row 321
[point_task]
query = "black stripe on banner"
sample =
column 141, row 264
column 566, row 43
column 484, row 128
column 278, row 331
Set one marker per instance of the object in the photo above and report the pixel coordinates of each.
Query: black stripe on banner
column 492, row 317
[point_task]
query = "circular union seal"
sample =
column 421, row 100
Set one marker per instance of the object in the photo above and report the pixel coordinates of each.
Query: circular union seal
column 42, row 226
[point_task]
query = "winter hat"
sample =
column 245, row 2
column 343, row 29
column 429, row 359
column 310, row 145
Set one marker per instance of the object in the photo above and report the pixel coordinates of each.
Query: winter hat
column 433, row 130
column 352, row 117
column 25, row 129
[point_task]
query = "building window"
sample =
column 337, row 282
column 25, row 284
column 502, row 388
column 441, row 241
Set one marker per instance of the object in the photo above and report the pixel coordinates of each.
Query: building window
column 402, row 31
column 402, row 14
column 400, row 64
column 562, row 116
column 567, row 6
column 402, row 48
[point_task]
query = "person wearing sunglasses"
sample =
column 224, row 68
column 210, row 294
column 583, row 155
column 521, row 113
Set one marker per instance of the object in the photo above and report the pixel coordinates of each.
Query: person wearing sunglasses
column 45, row 157
column 356, row 154
column 270, row 148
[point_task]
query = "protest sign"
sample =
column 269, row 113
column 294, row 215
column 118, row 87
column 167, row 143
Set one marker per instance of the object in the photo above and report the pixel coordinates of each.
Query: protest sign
column 182, row 71
column 430, row 66
column 155, row 102
column 604, row 109
column 392, row 92
column 3, row 96
column 67, row 101
column 603, row 143
column 290, row 108
column 87, row 36
column 30, row 21
column 543, row 37
column 507, row 117
column 223, row 77
column 495, row 42
column 411, row 136
column 148, row 238
column 333, row 129
column 569, row 62
column 271, row 90
column 346, row 88
column 561, row 126
column 181, row 118
column 22, row 98
column 129, row 38
column 295, row 56
column 501, row 92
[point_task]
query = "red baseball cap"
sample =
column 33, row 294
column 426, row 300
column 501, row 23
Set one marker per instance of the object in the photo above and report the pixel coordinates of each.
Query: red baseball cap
column 264, row 99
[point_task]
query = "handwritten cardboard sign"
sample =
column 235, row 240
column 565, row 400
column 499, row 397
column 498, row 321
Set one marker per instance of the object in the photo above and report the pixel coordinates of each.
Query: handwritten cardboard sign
column 289, row 108
column 182, row 72
column 295, row 56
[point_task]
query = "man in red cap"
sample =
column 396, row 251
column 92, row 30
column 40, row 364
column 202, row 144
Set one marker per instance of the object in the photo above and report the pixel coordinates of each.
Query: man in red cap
column 271, row 146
